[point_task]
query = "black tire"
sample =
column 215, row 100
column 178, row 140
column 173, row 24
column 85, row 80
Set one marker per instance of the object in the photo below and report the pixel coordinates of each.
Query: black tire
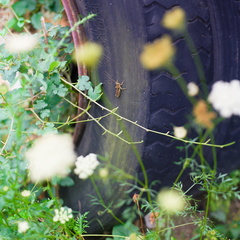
column 153, row 99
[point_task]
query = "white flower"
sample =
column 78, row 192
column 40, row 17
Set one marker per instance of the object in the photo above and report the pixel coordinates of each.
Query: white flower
column 192, row 89
column 5, row 188
column 20, row 43
column 23, row 226
column 51, row 155
column 26, row 193
column 225, row 98
column 85, row 165
column 171, row 201
column 63, row 215
column 134, row 236
column 180, row 132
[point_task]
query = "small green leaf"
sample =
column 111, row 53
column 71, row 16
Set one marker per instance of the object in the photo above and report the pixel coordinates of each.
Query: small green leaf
column 40, row 104
column 21, row 22
column 20, row 7
column 124, row 230
column 40, row 78
column 44, row 65
column 45, row 113
column 4, row 114
column 84, row 83
column 36, row 20
column 95, row 94
column 13, row 24
column 60, row 91
column 53, row 65
column 66, row 182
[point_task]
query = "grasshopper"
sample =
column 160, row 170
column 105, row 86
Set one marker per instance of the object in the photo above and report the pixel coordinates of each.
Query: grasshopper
column 118, row 88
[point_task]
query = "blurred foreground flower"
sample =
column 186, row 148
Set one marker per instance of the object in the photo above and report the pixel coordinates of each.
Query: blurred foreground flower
column 202, row 115
column 171, row 201
column 26, row 193
column 158, row 54
column 103, row 173
column 4, row 86
column 180, row 132
column 225, row 98
column 20, row 43
column 193, row 89
column 85, row 166
column 51, row 155
column 63, row 215
column 134, row 236
column 175, row 19
column 88, row 54
column 23, row 226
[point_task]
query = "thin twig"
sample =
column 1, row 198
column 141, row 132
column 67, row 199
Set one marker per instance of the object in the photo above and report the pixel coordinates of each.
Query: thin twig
column 144, row 128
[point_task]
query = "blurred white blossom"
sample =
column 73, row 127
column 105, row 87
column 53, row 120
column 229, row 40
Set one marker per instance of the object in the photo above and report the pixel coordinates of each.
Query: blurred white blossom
column 134, row 236
column 23, row 226
column 85, row 166
column 225, row 98
column 192, row 89
column 171, row 201
column 103, row 172
column 5, row 188
column 20, row 43
column 26, row 193
column 51, row 155
column 180, row 132
column 63, row 215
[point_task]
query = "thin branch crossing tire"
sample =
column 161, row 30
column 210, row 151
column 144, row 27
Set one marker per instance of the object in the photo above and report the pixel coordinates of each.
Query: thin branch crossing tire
column 152, row 99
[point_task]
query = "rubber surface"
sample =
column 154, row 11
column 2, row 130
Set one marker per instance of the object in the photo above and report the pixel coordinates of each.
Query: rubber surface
column 153, row 99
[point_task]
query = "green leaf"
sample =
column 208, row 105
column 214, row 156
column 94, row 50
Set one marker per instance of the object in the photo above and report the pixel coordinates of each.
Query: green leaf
column 95, row 94
column 13, row 24
column 40, row 104
column 60, row 91
column 69, row 48
column 124, row 230
column 31, row 5
column 20, row 7
column 36, row 20
column 66, row 182
column 48, row 128
column 45, row 113
column 21, row 22
column 53, row 65
column 84, row 83
column 4, row 114
column 44, row 65
column 4, row 2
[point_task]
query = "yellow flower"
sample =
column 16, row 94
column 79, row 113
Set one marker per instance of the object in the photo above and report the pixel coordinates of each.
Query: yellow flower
column 202, row 115
column 88, row 54
column 171, row 201
column 158, row 54
column 175, row 19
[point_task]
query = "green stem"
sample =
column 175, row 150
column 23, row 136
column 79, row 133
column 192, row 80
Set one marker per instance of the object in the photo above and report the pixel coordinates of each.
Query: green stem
column 181, row 82
column 144, row 128
column 197, row 61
